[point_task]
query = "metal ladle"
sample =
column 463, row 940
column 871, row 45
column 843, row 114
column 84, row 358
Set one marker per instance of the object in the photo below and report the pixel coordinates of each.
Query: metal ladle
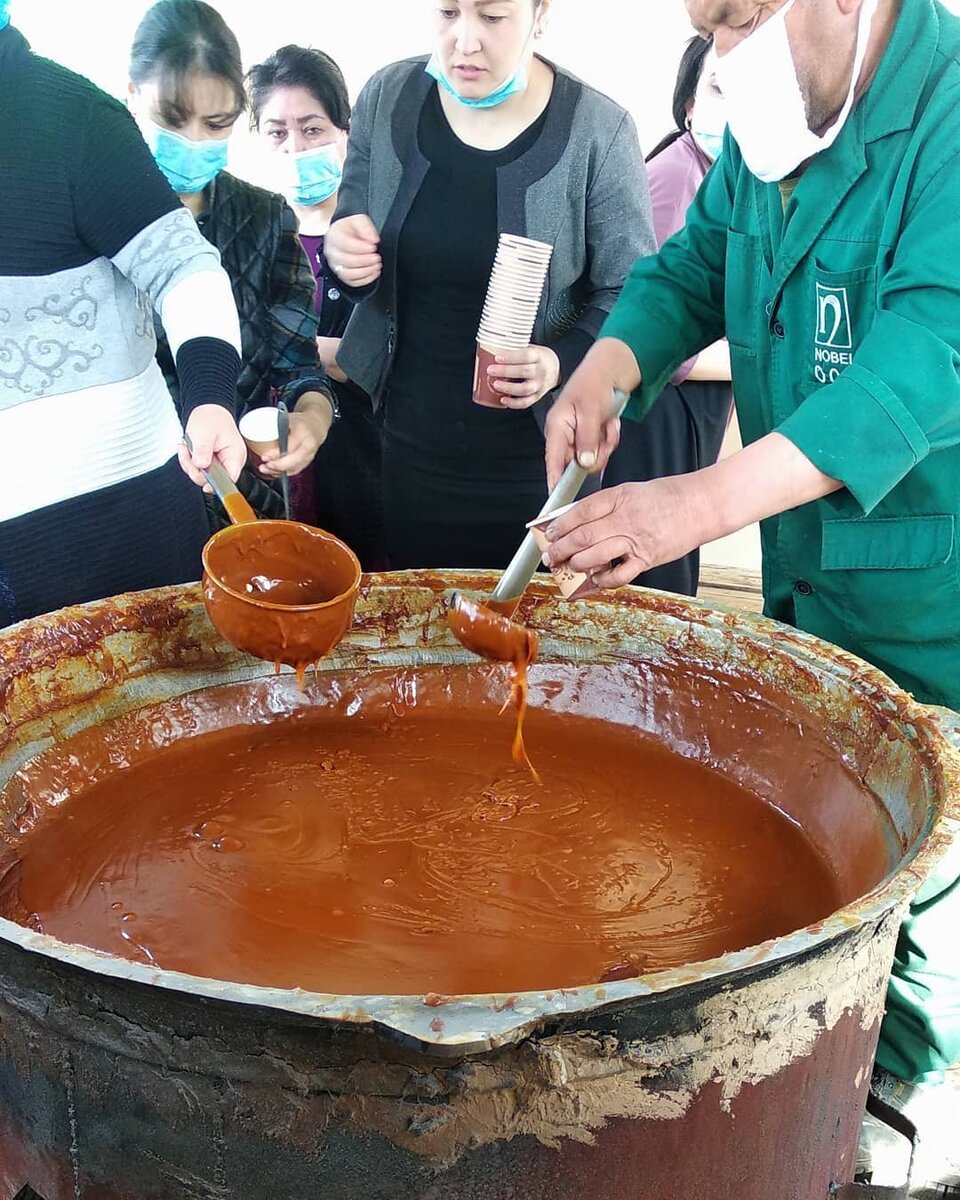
column 252, row 576
column 484, row 627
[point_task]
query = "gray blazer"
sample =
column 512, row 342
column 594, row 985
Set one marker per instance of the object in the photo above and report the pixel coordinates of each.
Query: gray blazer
column 581, row 187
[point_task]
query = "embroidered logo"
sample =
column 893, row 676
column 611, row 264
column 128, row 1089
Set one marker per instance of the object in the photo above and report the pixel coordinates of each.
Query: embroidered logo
column 833, row 318
column 833, row 344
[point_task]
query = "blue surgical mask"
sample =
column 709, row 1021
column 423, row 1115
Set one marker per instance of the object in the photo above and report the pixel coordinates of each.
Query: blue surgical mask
column 189, row 166
column 708, row 124
column 310, row 176
column 710, row 143
column 516, row 83
column 4, row 13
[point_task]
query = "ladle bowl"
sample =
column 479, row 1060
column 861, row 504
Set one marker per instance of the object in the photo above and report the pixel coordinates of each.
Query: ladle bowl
column 481, row 629
column 280, row 590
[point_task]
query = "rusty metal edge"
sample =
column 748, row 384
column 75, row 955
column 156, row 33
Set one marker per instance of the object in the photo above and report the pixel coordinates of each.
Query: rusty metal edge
column 475, row 1024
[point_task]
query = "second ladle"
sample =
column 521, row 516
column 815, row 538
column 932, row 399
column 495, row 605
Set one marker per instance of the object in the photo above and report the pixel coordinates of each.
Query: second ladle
column 485, row 628
column 279, row 590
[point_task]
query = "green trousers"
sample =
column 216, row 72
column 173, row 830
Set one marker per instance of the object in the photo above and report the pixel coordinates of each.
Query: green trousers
column 920, row 1035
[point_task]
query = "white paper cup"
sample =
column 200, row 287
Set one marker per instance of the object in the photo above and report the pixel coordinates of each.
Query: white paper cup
column 514, row 310
column 514, row 300
column 519, row 308
column 510, row 308
column 504, row 278
column 260, row 429
column 514, row 293
column 508, row 337
column 524, row 243
column 521, row 305
column 573, row 585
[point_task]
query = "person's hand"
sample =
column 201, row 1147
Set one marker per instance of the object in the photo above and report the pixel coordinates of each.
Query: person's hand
column 352, row 251
column 327, row 348
column 310, row 423
column 581, row 423
column 213, row 434
column 616, row 533
column 522, row 377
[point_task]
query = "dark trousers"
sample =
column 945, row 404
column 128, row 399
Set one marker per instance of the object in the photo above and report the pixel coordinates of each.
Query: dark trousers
column 144, row 533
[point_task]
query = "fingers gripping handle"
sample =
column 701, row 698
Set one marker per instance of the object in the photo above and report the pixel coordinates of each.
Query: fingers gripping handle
column 523, row 565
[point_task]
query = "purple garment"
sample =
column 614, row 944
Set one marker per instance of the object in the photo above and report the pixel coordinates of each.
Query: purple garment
column 333, row 308
column 675, row 176
column 313, row 247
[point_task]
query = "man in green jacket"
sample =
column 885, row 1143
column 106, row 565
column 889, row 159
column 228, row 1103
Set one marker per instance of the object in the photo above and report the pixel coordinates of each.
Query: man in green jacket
column 825, row 246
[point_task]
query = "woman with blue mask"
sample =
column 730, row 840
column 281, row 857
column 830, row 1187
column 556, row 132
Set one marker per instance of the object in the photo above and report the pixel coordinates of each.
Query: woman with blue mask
column 186, row 92
column 481, row 136
column 685, row 428
column 301, row 110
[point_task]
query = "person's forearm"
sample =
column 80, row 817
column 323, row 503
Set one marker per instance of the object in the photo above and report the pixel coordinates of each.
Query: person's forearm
column 327, row 348
column 712, row 365
column 207, row 370
column 316, row 404
column 616, row 359
column 768, row 477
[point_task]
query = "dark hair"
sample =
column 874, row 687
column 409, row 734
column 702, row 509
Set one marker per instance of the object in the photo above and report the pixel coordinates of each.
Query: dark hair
column 179, row 37
column 300, row 66
column 688, row 76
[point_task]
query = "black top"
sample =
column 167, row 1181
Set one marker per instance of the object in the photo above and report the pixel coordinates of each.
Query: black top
column 78, row 179
column 581, row 130
column 460, row 480
column 445, row 255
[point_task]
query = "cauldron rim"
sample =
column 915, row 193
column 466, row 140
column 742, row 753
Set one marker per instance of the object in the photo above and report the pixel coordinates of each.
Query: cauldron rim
column 474, row 1024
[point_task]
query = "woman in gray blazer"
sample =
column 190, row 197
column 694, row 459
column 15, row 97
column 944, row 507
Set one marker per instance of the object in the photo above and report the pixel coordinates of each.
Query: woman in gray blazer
column 445, row 154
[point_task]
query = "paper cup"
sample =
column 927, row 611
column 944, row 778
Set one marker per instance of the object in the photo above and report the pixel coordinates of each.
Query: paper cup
column 260, row 429
column 493, row 337
column 522, row 312
column 502, row 282
column 483, row 393
column 510, row 308
column 510, row 318
column 514, row 241
column 496, row 327
column 526, row 299
column 519, row 264
column 573, row 585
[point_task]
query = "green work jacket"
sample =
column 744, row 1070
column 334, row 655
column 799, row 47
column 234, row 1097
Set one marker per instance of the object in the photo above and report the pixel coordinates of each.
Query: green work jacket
column 843, row 316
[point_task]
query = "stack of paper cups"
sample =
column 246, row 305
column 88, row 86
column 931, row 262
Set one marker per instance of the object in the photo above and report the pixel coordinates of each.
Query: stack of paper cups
column 510, row 310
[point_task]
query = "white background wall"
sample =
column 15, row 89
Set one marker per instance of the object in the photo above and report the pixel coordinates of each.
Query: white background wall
column 627, row 48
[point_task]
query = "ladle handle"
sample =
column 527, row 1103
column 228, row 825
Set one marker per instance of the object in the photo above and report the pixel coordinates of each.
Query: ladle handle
column 283, row 437
column 523, row 566
column 232, row 499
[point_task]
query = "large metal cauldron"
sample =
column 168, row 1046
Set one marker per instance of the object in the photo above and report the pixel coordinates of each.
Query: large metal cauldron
column 740, row 1078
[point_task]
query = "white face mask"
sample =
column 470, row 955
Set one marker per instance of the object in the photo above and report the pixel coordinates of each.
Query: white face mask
column 765, row 106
